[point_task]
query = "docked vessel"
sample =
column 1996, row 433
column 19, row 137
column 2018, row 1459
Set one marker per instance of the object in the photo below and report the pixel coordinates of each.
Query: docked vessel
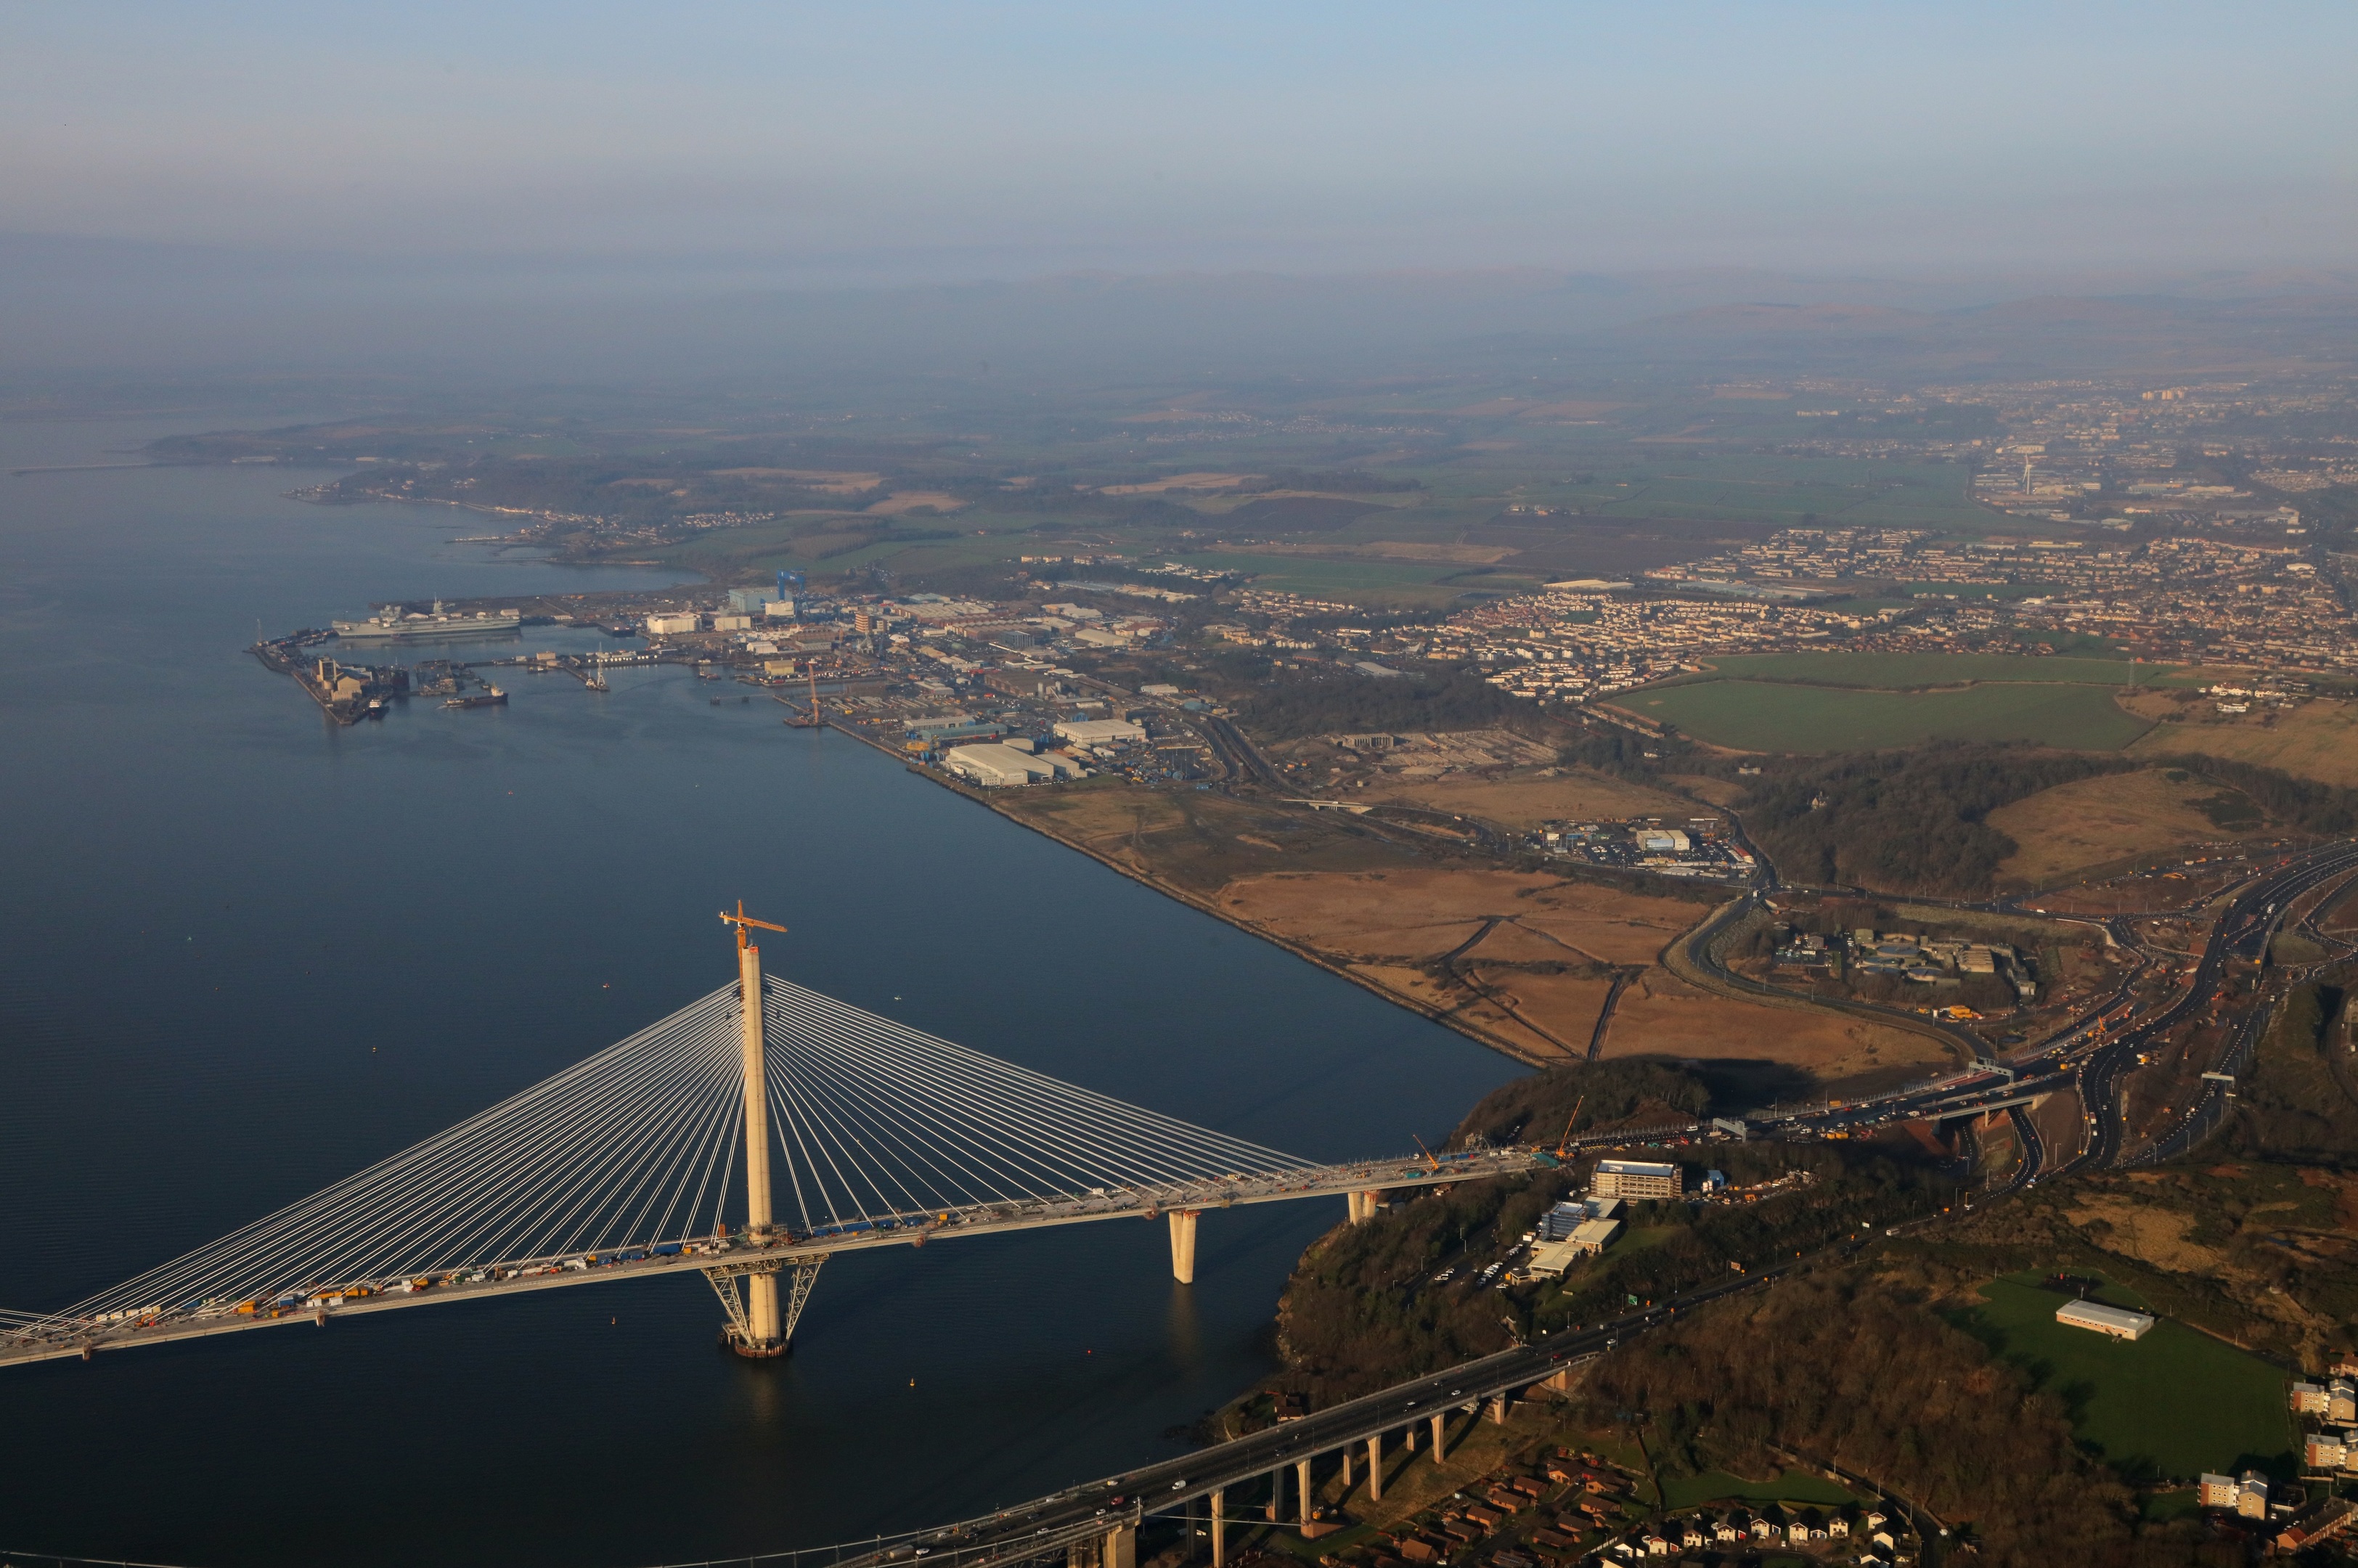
column 490, row 697
column 395, row 624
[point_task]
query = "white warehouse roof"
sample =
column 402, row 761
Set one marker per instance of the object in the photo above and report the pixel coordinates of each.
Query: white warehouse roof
column 1098, row 731
column 2104, row 1319
column 1638, row 1168
column 994, row 765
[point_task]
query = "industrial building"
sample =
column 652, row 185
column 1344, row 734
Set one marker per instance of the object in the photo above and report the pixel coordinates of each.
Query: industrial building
column 1589, row 1238
column 2118, row 1322
column 996, row 766
column 1636, row 1179
column 1560, row 1222
column 1099, row 732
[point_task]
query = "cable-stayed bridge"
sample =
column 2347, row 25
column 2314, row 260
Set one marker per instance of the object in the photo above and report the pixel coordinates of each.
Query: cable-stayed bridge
column 749, row 1136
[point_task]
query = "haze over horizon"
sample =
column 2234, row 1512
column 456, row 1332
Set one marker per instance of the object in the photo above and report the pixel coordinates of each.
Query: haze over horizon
column 272, row 185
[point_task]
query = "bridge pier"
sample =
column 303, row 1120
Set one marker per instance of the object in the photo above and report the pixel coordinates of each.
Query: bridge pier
column 1498, row 1410
column 1346, row 1469
column 759, row 1333
column 1276, row 1494
column 1438, row 1417
column 1120, row 1548
column 1220, row 1545
column 1376, row 1469
column 1183, row 1245
column 1302, row 1484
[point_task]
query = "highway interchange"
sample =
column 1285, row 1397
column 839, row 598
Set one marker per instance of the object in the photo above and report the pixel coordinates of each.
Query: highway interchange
column 2094, row 1054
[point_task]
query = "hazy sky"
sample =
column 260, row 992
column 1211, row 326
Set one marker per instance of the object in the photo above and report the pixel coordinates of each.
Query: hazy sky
column 1003, row 139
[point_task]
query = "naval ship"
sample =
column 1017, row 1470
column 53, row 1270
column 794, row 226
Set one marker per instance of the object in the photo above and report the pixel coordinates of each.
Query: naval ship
column 392, row 624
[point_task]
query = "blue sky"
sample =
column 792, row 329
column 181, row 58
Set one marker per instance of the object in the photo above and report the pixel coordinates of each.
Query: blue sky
column 1005, row 139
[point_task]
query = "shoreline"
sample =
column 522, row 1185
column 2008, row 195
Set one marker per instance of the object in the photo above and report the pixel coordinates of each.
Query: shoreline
column 1311, row 956
column 1675, row 959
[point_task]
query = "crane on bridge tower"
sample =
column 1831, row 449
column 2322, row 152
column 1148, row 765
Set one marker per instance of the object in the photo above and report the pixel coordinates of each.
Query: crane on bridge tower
column 754, row 1328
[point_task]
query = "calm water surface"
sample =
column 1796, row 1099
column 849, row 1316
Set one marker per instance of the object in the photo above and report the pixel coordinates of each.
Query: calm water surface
column 243, row 953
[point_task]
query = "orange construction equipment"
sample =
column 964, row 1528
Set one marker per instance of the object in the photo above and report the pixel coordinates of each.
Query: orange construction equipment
column 1563, row 1144
column 741, row 920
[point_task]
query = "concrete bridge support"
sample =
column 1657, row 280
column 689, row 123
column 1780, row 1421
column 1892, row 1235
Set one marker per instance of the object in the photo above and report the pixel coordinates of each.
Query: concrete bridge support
column 1183, row 1245
column 1219, row 1524
column 1276, row 1494
column 1346, row 1469
column 1363, row 1206
column 1498, row 1409
column 1438, row 1417
column 764, row 1335
column 1302, row 1484
column 1120, row 1548
column 1376, row 1469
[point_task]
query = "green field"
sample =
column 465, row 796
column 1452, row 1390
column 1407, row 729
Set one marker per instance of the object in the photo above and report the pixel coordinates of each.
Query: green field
column 2174, row 1403
column 1754, row 716
column 1718, row 1486
column 1893, row 672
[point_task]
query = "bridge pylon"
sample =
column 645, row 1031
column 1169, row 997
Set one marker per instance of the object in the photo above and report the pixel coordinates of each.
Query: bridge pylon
column 756, row 1327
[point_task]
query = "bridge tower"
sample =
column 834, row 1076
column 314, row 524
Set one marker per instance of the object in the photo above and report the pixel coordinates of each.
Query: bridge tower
column 756, row 1327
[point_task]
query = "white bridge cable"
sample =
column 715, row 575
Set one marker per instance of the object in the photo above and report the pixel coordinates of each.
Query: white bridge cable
column 640, row 1144
column 1127, row 1137
column 877, row 1119
column 423, row 1228
column 1132, row 1143
column 403, row 1218
column 500, row 1185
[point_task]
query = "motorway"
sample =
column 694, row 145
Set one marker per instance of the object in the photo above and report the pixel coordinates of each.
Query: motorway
column 1085, row 1513
column 2083, row 1058
column 2241, row 931
column 2095, row 1063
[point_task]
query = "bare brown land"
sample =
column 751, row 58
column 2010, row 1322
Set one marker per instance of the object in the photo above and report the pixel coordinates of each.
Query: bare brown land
column 2062, row 1123
column 902, row 500
column 2093, row 822
column 2317, row 740
column 1520, row 804
column 1522, row 961
column 2163, row 891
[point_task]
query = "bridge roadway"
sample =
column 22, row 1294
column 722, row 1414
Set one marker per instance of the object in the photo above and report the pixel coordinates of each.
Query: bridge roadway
column 1087, row 1514
column 52, row 1338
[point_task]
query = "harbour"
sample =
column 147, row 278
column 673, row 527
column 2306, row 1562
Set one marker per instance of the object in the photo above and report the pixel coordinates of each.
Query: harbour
column 384, row 926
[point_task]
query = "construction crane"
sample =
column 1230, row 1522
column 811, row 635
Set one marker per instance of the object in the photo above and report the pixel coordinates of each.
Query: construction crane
column 742, row 920
column 811, row 718
column 1563, row 1144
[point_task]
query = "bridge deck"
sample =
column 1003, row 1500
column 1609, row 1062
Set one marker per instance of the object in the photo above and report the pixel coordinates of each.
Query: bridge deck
column 44, row 1339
